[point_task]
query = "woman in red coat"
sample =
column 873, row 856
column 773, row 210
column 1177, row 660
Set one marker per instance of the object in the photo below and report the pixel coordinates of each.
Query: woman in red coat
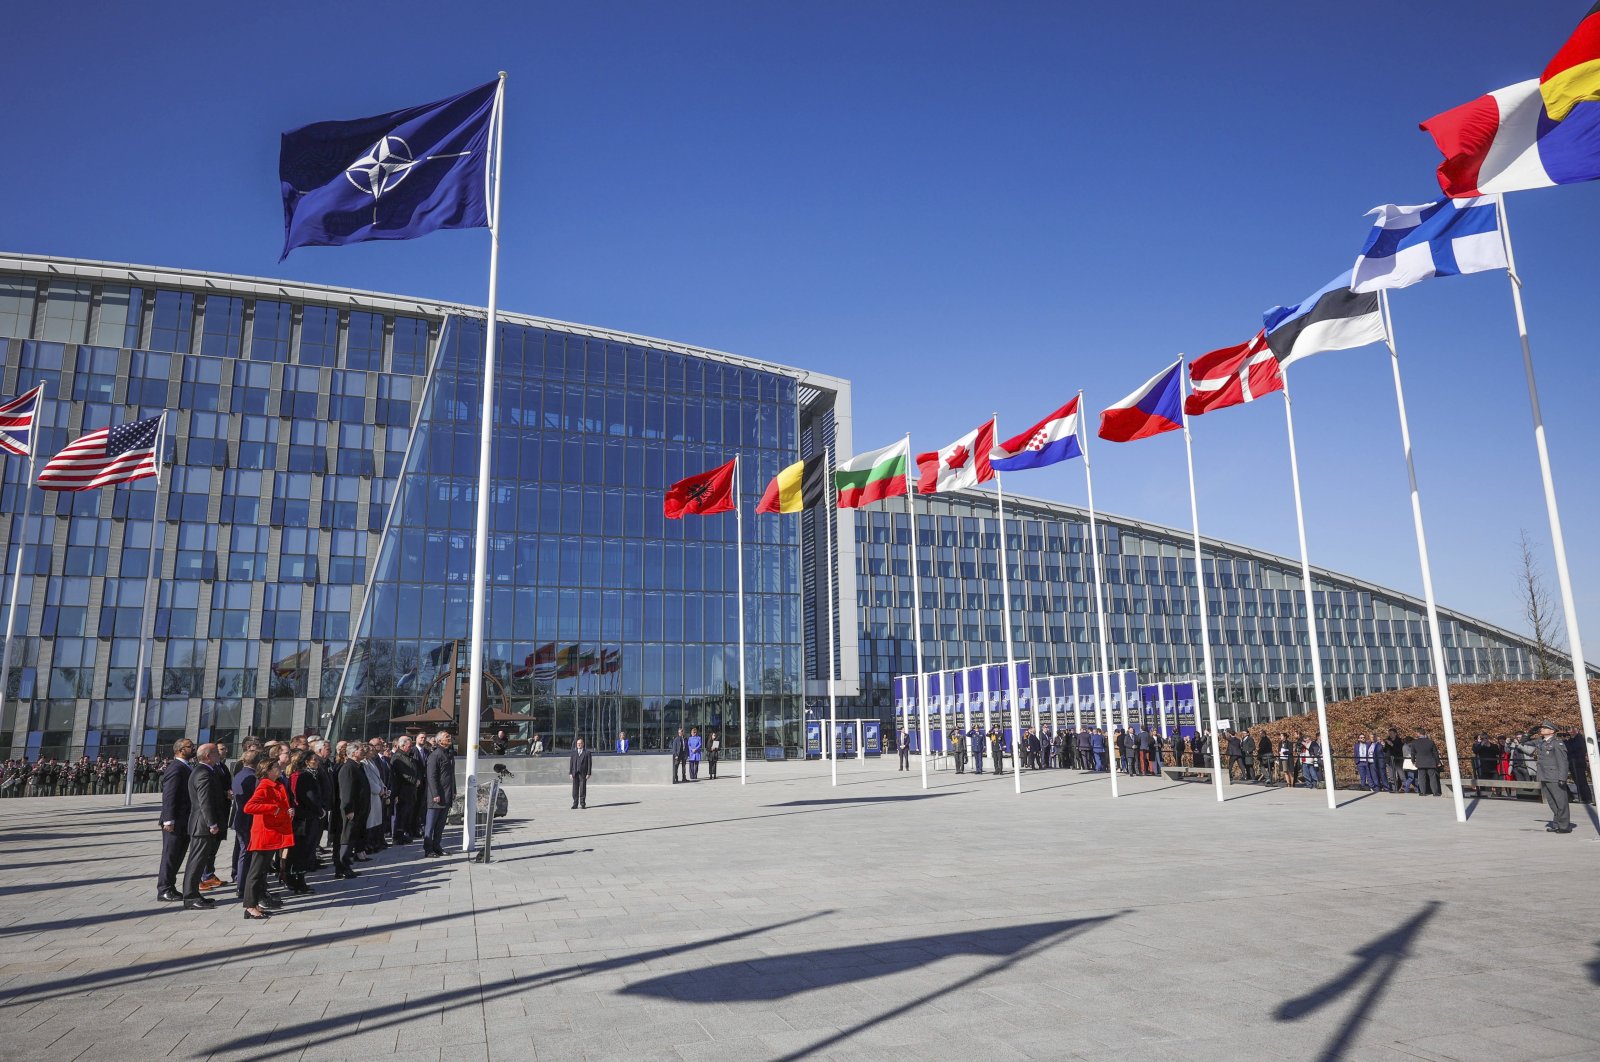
column 270, row 833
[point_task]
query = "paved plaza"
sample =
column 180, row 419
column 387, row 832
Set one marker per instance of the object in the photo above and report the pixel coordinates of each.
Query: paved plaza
column 788, row 919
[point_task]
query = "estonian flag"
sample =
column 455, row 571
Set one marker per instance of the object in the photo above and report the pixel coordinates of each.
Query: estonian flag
column 1331, row 318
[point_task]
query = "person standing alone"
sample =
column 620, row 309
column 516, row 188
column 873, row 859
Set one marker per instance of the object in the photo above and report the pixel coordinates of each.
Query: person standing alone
column 579, row 766
column 1551, row 765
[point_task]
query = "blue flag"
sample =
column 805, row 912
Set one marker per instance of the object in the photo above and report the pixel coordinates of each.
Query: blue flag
column 393, row 176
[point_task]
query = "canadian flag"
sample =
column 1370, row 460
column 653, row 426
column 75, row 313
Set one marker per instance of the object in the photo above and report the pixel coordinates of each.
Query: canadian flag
column 964, row 463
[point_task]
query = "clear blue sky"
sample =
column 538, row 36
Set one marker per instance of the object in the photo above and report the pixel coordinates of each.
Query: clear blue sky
column 960, row 207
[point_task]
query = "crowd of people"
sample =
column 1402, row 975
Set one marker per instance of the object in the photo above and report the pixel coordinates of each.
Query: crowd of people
column 1392, row 763
column 293, row 808
column 54, row 776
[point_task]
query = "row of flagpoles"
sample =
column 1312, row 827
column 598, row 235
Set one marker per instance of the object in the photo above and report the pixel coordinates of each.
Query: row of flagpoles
column 1351, row 311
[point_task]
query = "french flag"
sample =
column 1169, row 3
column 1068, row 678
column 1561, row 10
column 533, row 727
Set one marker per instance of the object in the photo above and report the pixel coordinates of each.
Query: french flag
column 1053, row 439
column 1152, row 409
column 1505, row 141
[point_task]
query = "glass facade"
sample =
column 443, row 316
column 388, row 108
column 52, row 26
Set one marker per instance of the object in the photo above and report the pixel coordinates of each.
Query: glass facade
column 1371, row 639
column 314, row 538
column 603, row 616
column 317, row 515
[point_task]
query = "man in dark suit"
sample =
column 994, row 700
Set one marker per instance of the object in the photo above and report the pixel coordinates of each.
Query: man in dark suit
column 904, row 745
column 419, row 815
column 680, row 757
column 326, row 784
column 208, row 822
column 209, row 879
column 406, row 773
column 355, row 802
column 1425, row 754
column 1236, row 763
column 1247, row 746
column 174, row 820
column 579, row 766
column 441, row 792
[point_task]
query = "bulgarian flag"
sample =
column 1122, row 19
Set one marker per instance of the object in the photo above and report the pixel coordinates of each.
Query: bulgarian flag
column 873, row 476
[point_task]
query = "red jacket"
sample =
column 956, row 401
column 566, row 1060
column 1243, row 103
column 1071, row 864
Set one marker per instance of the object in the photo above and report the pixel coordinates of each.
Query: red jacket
column 273, row 828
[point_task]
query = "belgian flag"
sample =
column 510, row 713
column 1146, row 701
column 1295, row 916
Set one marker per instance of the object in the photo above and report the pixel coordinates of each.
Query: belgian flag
column 803, row 485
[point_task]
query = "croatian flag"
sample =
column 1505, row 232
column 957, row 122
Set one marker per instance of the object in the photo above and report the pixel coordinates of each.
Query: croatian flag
column 1053, row 439
column 16, row 423
column 1413, row 243
column 1152, row 409
column 1505, row 141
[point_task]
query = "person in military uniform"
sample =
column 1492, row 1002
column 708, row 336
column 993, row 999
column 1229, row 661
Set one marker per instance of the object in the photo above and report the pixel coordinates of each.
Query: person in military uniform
column 1550, row 757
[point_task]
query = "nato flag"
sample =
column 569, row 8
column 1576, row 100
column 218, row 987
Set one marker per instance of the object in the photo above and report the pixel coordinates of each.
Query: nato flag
column 393, row 176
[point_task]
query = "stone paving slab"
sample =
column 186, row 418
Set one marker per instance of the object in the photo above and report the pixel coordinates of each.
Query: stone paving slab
column 789, row 919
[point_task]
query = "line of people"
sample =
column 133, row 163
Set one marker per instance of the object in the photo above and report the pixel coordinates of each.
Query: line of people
column 289, row 803
column 689, row 752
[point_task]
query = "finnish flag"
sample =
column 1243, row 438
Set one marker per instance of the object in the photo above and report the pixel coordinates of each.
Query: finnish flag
column 1413, row 243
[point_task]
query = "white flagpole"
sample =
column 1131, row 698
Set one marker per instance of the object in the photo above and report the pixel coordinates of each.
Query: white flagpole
column 21, row 538
column 1311, row 608
column 916, row 621
column 738, row 531
column 1102, row 677
column 1200, row 593
column 16, row 582
column 1434, row 636
column 1005, row 605
column 830, row 514
column 1558, row 541
column 146, row 619
column 480, row 554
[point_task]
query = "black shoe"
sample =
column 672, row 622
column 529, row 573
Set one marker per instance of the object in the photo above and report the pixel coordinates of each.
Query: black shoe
column 199, row 903
column 272, row 903
column 262, row 917
column 169, row 896
column 337, row 874
column 584, row 806
column 574, row 807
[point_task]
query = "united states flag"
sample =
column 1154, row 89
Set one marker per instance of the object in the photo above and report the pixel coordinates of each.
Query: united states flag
column 119, row 454
column 16, row 423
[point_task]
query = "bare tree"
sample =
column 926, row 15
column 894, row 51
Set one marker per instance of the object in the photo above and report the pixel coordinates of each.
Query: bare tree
column 1536, row 607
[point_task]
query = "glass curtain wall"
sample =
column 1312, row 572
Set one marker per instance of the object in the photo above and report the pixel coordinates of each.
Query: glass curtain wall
column 1370, row 641
column 603, row 616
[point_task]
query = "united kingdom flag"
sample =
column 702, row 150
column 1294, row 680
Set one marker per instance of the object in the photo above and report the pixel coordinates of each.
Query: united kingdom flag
column 16, row 423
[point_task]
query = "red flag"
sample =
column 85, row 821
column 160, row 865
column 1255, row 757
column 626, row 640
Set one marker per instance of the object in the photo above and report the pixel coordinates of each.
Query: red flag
column 1232, row 375
column 709, row 492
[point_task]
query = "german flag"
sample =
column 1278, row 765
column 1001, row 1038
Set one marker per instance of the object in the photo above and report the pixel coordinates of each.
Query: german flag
column 802, row 485
column 1573, row 76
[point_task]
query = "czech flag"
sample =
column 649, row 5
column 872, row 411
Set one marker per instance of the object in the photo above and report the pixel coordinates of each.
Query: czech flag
column 1152, row 409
